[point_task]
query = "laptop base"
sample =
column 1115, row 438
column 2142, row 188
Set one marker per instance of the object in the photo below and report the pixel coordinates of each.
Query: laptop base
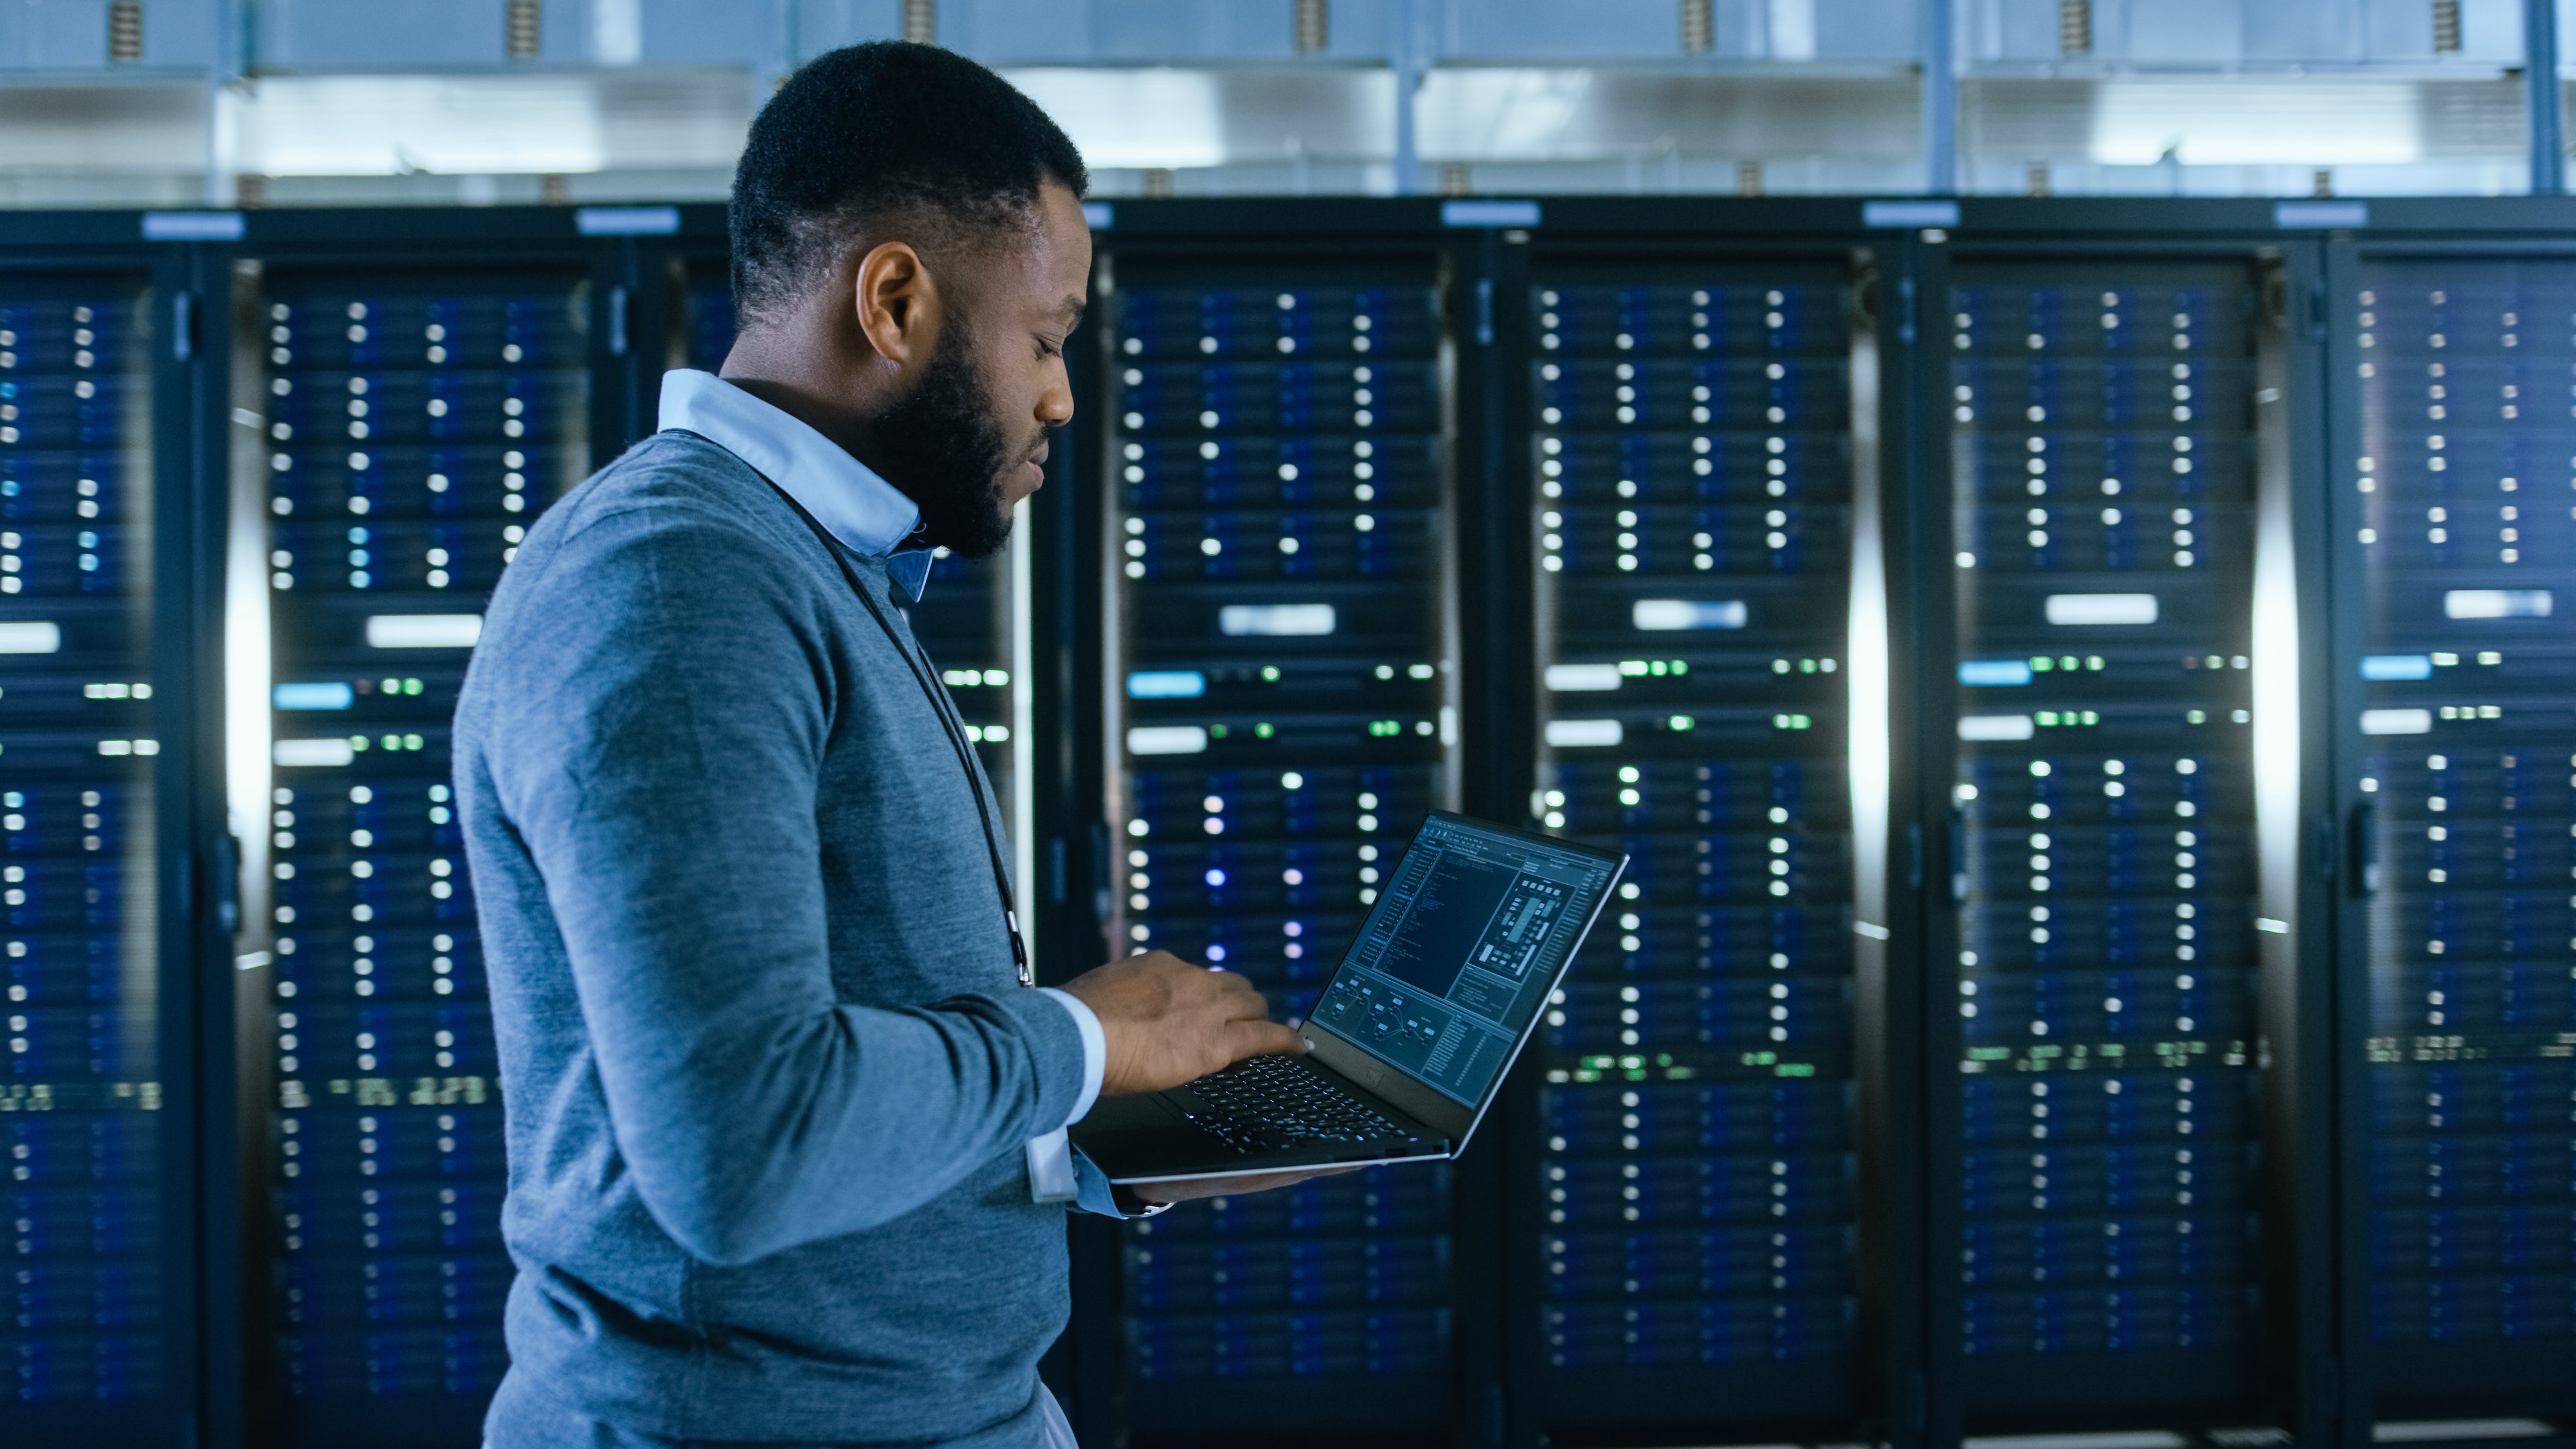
column 1153, row 1137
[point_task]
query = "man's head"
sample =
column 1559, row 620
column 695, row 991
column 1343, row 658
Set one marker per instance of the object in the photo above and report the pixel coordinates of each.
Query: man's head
column 909, row 256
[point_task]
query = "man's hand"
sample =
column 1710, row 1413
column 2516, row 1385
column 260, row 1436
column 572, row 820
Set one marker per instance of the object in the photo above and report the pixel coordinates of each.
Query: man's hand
column 1167, row 1022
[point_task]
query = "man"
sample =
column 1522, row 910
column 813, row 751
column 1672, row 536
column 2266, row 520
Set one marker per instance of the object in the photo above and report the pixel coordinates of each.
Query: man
column 786, row 1158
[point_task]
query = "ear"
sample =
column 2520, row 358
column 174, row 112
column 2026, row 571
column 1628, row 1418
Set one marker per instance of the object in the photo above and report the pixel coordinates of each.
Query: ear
column 898, row 304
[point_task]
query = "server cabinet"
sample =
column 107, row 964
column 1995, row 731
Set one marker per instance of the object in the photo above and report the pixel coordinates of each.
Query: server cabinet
column 1280, row 701
column 2115, row 1224
column 97, row 1111
column 1698, row 429
column 2456, row 720
column 411, row 413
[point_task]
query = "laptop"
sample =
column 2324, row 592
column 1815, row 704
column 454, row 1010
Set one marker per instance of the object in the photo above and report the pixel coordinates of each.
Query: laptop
column 1409, row 1041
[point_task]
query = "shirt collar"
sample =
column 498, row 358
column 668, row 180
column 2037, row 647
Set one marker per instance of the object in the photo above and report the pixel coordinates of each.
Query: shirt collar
column 845, row 495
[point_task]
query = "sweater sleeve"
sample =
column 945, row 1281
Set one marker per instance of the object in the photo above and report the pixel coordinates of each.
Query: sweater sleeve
column 657, row 728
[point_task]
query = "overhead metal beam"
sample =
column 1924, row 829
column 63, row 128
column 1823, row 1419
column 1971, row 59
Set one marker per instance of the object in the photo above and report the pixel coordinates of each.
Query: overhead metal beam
column 1941, row 95
column 2540, row 79
column 1412, row 51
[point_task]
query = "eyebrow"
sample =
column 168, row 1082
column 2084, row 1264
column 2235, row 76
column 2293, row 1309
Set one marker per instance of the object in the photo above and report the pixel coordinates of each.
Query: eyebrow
column 1071, row 308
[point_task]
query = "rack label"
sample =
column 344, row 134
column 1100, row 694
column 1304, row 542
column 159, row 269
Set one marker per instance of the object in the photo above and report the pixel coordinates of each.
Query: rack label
column 1909, row 213
column 627, row 220
column 1489, row 213
column 199, row 226
column 2318, row 215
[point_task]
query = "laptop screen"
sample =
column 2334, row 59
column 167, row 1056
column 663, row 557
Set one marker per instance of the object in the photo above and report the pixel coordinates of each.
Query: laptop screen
column 1460, row 952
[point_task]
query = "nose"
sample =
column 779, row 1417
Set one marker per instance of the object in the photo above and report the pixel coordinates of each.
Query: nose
column 1055, row 403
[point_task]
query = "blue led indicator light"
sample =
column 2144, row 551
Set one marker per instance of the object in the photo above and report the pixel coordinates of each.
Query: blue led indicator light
column 313, row 696
column 1166, row 684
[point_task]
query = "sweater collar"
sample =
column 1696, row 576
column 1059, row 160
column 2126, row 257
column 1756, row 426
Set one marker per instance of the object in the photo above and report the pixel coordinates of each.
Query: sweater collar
column 846, row 496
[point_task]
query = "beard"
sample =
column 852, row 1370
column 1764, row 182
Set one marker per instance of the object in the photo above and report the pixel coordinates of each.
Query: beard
column 942, row 449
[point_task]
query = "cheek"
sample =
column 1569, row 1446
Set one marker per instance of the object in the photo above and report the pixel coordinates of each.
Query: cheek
column 1015, row 384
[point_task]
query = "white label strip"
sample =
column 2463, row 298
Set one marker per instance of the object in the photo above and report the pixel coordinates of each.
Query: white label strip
column 1577, row 734
column 30, row 636
column 2081, row 610
column 1276, row 620
column 1667, row 614
column 2397, row 721
column 1167, row 740
column 1582, row 678
column 322, row 753
column 423, row 631
column 2497, row 603
column 1997, row 727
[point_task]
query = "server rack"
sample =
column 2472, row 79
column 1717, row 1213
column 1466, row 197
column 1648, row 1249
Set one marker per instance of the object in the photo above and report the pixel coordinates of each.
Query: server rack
column 1698, row 463
column 2454, row 721
column 2126, row 1139
column 102, row 1110
column 1276, row 585
column 403, row 412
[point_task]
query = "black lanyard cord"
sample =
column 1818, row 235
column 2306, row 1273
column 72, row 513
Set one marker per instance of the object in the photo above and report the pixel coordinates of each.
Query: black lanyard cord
column 919, row 667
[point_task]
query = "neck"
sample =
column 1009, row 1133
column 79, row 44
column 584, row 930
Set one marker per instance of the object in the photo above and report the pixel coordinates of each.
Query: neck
column 806, row 384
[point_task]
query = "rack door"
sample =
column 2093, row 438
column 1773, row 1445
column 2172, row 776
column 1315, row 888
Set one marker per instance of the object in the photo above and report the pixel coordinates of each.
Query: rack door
column 2107, row 1154
column 2455, row 532
column 95, row 1341
column 1692, row 443
column 414, row 423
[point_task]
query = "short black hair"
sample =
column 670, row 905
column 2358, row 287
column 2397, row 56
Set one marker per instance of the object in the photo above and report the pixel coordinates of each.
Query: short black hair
column 871, row 131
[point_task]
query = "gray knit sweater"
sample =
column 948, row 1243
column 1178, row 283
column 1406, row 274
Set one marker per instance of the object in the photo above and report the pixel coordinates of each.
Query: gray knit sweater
column 767, row 1071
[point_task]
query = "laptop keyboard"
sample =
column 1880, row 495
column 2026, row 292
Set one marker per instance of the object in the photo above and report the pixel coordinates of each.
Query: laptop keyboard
column 1274, row 1103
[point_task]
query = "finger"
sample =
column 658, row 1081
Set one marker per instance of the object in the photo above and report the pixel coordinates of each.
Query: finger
column 1262, row 1038
column 1239, row 997
column 1252, row 1007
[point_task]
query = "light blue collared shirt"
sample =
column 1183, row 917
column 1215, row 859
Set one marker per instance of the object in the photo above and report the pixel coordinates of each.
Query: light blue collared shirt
column 845, row 495
column 875, row 519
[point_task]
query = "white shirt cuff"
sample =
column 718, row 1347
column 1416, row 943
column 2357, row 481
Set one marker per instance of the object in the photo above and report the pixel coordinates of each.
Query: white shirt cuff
column 1095, row 1051
column 1051, row 1171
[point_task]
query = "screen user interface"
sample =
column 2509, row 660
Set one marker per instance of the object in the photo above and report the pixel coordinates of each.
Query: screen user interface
column 1460, row 952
